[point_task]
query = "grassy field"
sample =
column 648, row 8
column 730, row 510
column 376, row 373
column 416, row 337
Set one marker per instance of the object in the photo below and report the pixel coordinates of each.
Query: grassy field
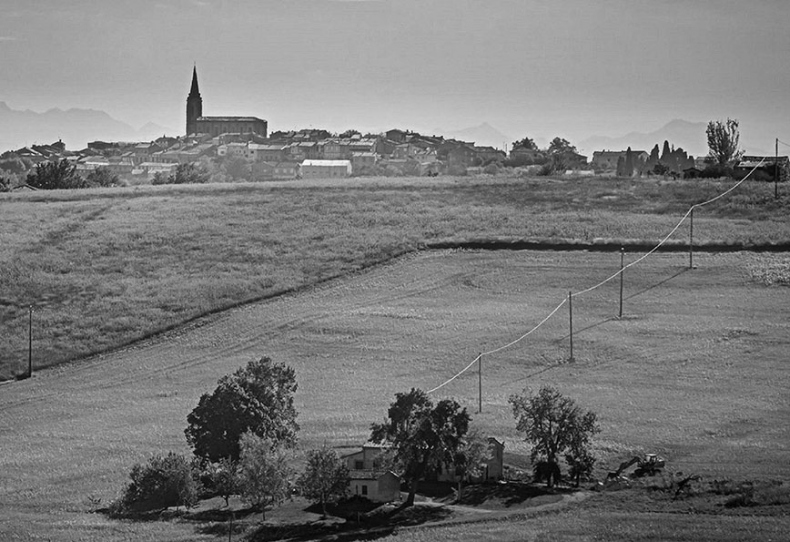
column 105, row 267
column 695, row 370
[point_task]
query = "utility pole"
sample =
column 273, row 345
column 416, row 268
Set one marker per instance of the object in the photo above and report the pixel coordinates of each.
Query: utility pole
column 691, row 240
column 622, row 272
column 570, row 314
column 776, row 170
column 30, row 342
column 480, row 383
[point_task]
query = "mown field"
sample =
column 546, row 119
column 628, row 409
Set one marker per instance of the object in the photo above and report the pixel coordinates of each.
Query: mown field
column 695, row 370
column 102, row 268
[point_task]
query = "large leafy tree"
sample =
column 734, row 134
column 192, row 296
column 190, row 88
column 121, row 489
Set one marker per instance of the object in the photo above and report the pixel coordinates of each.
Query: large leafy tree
column 264, row 474
column 560, row 145
column 424, row 436
column 325, row 478
column 723, row 141
column 60, row 174
column 553, row 424
column 526, row 143
column 257, row 398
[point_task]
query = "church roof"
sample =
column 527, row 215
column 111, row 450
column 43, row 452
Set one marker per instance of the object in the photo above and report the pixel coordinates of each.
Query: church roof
column 230, row 119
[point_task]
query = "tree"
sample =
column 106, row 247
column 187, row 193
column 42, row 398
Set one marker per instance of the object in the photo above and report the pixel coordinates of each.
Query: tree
column 256, row 398
column 560, row 145
column 188, row 174
column 164, row 481
column 471, row 458
column 553, row 424
column 237, row 168
column 424, row 436
column 349, row 133
column 222, row 478
column 263, row 472
column 101, row 176
column 60, row 174
column 526, row 143
column 325, row 478
column 723, row 140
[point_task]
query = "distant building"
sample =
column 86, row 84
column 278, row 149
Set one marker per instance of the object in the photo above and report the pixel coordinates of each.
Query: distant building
column 215, row 126
column 325, row 169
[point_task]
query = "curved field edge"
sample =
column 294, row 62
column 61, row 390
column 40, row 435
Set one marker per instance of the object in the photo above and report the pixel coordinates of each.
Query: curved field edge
column 104, row 268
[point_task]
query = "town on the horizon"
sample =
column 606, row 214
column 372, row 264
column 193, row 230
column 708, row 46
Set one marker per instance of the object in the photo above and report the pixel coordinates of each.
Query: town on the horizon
column 242, row 148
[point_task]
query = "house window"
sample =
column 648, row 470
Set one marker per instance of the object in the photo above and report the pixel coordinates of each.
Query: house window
column 359, row 464
column 364, row 490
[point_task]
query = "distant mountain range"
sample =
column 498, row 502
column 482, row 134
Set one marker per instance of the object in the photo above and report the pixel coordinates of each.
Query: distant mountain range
column 75, row 127
column 680, row 133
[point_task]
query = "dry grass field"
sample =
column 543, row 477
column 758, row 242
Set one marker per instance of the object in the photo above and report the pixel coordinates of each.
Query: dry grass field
column 105, row 267
column 696, row 370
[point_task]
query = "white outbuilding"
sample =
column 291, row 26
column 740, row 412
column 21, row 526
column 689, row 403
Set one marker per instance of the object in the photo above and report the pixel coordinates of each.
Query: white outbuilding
column 325, row 169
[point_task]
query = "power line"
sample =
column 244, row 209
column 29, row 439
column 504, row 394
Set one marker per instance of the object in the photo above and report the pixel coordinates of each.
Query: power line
column 612, row 277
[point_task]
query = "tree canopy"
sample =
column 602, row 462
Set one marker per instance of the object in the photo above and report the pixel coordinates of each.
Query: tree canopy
column 264, row 474
column 553, row 424
column 560, row 145
column 723, row 141
column 423, row 435
column 60, row 174
column 325, row 478
column 257, row 398
column 526, row 143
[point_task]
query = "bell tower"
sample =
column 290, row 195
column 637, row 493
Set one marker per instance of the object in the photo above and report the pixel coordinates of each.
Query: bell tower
column 194, row 104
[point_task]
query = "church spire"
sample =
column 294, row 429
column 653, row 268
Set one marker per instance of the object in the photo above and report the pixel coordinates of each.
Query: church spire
column 194, row 91
column 194, row 105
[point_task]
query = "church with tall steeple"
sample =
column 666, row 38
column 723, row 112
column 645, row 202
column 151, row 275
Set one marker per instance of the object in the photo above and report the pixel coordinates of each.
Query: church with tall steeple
column 215, row 126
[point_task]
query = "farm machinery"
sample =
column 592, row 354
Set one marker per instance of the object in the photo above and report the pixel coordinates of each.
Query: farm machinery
column 648, row 465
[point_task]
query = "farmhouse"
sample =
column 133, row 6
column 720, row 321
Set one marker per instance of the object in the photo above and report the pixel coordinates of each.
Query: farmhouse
column 368, row 478
column 766, row 165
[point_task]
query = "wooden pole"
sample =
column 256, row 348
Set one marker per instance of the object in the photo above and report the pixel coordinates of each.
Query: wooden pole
column 30, row 342
column 776, row 170
column 480, row 383
column 570, row 314
column 691, row 240
column 622, row 272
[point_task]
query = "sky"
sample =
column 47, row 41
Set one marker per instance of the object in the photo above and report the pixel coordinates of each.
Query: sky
column 538, row 68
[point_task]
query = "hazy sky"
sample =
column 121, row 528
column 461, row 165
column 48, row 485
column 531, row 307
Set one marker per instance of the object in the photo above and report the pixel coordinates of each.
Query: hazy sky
column 542, row 68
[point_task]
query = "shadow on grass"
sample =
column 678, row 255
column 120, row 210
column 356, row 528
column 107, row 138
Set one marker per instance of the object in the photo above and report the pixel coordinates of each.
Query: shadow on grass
column 510, row 494
column 375, row 524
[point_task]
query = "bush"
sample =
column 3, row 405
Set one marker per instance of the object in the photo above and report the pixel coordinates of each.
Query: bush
column 163, row 482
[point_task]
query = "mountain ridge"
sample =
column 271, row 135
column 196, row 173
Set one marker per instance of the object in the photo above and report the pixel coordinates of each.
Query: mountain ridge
column 74, row 126
column 690, row 136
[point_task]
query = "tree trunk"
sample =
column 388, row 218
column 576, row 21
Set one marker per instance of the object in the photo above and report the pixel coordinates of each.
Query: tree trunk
column 412, row 492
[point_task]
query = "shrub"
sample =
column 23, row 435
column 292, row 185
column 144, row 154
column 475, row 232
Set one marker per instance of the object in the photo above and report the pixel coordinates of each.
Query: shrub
column 163, row 482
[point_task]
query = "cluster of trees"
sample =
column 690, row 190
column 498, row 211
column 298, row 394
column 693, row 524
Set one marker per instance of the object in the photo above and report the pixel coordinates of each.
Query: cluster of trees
column 242, row 436
column 670, row 160
column 184, row 174
column 244, row 433
column 62, row 174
